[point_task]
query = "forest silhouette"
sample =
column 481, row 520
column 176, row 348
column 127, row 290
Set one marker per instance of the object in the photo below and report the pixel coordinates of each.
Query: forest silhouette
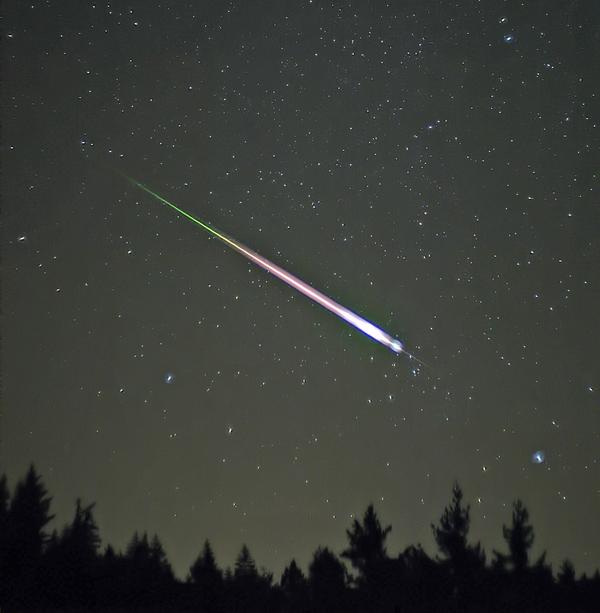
column 68, row 571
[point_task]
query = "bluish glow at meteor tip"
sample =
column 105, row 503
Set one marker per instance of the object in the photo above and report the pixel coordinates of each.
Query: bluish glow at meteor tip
column 396, row 346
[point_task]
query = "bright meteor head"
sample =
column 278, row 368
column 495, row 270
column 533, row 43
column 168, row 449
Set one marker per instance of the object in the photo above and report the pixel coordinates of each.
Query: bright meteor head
column 396, row 346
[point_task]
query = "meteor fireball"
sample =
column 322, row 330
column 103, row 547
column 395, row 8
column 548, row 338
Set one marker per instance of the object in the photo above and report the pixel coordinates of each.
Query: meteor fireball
column 366, row 327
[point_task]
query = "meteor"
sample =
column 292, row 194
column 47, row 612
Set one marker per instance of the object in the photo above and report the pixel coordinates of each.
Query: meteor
column 355, row 320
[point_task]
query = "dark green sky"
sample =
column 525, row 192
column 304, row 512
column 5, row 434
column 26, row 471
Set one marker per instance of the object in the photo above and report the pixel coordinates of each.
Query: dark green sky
column 430, row 165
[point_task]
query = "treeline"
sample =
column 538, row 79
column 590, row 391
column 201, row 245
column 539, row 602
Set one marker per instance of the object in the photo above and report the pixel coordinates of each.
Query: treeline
column 67, row 571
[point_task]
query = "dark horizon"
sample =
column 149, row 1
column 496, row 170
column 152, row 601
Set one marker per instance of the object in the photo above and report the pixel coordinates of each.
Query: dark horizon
column 71, row 570
column 181, row 570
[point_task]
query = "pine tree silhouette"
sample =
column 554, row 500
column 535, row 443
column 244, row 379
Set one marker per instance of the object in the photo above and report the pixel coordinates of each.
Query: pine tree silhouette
column 205, row 569
column 464, row 563
column 366, row 550
column 245, row 565
column 566, row 573
column 71, row 561
column 113, row 582
column 27, row 519
column 159, row 561
column 248, row 590
column 519, row 537
column 147, row 569
column 327, row 581
column 82, row 537
column 377, row 574
column 525, row 586
column 29, row 514
column 207, row 580
column 294, row 587
column 451, row 534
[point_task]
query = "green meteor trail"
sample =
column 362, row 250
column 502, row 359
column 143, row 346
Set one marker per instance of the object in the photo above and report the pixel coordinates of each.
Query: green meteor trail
column 208, row 228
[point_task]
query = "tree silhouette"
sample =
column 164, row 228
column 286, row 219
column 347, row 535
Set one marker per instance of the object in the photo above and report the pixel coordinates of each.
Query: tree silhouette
column 29, row 514
column 159, row 560
column 205, row 567
column 249, row 591
column 525, row 586
column 569, row 595
column 149, row 556
column 207, row 579
column 81, row 537
column 292, row 577
column 147, row 569
column 566, row 573
column 519, row 537
column 451, row 534
column 27, row 518
column 71, row 560
column 294, row 587
column 113, row 584
column 327, row 581
column 244, row 564
column 377, row 574
column 464, row 563
column 366, row 550
column 65, row 572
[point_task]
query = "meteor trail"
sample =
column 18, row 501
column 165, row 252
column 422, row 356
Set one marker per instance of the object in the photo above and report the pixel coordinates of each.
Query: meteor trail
column 357, row 321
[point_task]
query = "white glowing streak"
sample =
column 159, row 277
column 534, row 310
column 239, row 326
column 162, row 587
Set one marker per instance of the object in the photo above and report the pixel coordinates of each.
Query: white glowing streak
column 352, row 318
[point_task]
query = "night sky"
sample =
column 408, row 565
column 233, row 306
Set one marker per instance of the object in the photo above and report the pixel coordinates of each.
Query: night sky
column 432, row 166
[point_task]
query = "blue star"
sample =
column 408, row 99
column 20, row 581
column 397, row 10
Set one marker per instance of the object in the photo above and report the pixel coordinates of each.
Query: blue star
column 169, row 378
column 538, row 457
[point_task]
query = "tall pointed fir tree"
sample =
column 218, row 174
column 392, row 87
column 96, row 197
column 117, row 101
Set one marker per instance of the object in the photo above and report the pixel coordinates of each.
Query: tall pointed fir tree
column 28, row 516
column 207, row 580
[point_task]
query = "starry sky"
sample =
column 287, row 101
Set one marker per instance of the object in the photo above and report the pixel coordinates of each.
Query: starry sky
column 430, row 165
